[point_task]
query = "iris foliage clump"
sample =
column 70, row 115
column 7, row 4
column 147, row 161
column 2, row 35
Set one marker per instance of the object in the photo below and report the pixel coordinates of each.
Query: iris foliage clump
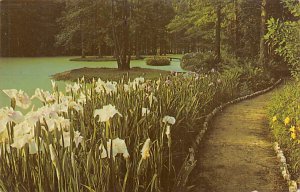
column 129, row 135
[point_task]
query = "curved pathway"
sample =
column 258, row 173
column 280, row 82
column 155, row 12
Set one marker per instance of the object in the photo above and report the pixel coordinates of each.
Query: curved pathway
column 237, row 154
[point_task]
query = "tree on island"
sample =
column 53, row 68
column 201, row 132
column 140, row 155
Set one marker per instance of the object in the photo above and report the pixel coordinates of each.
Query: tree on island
column 120, row 13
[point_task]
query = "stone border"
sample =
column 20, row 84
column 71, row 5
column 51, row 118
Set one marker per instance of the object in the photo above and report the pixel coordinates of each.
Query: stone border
column 190, row 162
column 293, row 187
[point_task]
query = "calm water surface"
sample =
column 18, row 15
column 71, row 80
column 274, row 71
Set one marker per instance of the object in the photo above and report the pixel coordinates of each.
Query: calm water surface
column 31, row 73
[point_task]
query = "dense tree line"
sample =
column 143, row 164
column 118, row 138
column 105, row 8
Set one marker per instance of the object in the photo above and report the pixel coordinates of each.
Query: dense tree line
column 83, row 27
column 28, row 28
column 137, row 27
column 235, row 27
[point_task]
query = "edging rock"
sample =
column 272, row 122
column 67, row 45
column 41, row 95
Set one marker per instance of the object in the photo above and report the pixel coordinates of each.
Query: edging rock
column 293, row 186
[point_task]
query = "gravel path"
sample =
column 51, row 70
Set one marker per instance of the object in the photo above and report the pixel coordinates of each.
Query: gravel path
column 237, row 154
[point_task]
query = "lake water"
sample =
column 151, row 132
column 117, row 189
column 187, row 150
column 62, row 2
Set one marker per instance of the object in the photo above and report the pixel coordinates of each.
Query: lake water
column 31, row 73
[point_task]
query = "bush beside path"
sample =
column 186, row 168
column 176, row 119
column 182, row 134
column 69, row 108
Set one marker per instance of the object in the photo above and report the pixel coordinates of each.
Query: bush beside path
column 237, row 154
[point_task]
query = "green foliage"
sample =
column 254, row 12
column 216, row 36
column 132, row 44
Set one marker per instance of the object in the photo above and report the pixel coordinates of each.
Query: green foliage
column 158, row 61
column 155, row 26
column 240, row 25
column 284, row 37
column 87, row 24
column 201, row 61
column 194, row 23
column 84, row 25
column 242, row 32
column 230, row 79
column 284, row 120
column 251, row 78
column 206, row 61
column 56, row 166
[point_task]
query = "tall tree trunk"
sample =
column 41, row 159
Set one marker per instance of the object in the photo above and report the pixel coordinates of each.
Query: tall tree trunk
column 262, row 45
column 236, row 28
column 122, row 47
column 99, row 51
column 95, row 21
column 9, row 38
column 163, row 45
column 116, row 52
column 126, row 56
column 154, row 44
column 160, row 52
column 137, row 43
column 82, row 40
column 146, row 45
column 137, row 46
column 218, row 34
column 137, row 36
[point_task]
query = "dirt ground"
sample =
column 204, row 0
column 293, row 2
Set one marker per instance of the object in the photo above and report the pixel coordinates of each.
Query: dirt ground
column 237, row 154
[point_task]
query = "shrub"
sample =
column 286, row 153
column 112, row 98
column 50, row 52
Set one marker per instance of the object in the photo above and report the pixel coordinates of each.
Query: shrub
column 284, row 121
column 158, row 61
column 200, row 61
column 283, row 37
column 204, row 61
column 251, row 78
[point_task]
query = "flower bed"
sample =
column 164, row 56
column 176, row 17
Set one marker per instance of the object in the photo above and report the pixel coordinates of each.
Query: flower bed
column 284, row 122
column 106, row 136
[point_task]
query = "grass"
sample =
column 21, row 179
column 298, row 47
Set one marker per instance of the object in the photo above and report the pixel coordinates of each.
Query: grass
column 108, row 74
